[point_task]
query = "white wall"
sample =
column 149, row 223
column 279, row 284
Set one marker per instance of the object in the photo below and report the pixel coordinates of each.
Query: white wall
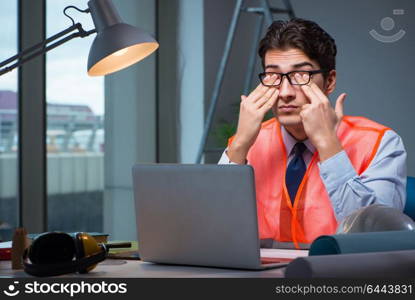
column 130, row 125
column 191, row 77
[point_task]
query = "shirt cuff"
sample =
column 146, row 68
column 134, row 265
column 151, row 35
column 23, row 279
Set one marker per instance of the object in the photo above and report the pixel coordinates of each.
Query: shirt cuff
column 336, row 171
column 224, row 160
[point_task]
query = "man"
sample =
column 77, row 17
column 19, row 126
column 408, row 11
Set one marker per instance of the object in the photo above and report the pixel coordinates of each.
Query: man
column 313, row 166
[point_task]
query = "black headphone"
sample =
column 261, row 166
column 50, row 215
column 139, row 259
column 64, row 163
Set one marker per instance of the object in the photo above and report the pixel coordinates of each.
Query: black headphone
column 57, row 253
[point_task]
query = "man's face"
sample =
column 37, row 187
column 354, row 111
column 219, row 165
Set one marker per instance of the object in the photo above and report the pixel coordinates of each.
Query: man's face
column 291, row 98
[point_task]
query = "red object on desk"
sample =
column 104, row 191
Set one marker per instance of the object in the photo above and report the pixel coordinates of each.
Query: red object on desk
column 5, row 253
column 273, row 260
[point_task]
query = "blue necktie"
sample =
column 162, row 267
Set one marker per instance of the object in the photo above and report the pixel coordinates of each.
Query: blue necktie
column 295, row 171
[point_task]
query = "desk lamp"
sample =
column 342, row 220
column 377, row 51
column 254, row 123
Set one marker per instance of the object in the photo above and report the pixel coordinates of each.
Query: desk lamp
column 117, row 45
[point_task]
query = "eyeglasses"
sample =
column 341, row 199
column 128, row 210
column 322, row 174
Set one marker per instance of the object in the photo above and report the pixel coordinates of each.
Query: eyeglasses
column 305, row 75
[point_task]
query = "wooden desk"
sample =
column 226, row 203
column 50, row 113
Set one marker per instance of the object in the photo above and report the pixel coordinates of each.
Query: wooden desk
column 113, row 268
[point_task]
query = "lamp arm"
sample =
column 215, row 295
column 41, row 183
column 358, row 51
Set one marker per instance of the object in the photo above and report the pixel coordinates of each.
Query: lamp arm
column 41, row 48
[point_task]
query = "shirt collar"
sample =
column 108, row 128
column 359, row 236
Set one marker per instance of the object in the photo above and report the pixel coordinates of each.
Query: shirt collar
column 290, row 142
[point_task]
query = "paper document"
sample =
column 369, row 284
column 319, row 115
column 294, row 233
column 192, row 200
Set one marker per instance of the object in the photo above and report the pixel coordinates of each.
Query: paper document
column 5, row 245
column 282, row 253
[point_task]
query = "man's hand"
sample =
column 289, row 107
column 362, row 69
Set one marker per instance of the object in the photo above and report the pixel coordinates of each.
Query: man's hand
column 320, row 120
column 252, row 111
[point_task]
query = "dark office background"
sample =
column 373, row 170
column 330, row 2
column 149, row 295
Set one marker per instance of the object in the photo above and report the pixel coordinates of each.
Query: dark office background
column 376, row 76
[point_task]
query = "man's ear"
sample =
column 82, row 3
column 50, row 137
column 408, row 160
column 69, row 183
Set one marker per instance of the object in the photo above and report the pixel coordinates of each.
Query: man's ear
column 330, row 83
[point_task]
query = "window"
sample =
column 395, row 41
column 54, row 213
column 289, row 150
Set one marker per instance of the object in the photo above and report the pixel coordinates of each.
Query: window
column 75, row 134
column 8, row 124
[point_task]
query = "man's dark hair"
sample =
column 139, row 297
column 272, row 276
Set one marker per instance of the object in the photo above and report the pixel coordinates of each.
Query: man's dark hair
column 304, row 35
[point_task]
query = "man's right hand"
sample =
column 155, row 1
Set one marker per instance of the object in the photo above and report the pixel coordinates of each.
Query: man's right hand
column 252, row 112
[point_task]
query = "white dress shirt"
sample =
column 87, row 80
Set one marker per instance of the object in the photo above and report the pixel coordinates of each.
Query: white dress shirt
column 383, row 182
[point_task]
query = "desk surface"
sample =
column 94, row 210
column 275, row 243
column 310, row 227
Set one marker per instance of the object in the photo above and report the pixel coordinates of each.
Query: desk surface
column 138, row 269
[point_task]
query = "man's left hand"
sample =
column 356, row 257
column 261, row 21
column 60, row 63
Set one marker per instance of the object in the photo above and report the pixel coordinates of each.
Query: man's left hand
column 320, row 120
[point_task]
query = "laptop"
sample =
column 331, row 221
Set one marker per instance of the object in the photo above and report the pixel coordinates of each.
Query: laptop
column 201, row 215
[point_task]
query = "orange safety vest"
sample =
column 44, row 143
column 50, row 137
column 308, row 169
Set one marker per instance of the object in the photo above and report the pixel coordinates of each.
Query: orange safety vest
column 312, row 214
